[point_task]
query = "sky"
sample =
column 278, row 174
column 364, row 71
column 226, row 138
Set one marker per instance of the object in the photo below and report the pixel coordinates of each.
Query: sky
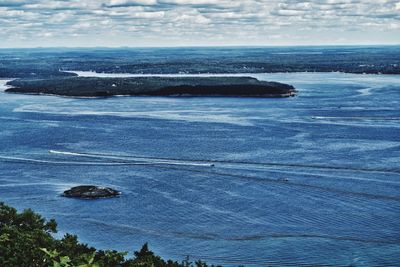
column 155, row 23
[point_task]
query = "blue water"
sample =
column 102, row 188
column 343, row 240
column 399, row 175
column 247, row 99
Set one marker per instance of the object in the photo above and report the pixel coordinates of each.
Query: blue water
column 313, row 179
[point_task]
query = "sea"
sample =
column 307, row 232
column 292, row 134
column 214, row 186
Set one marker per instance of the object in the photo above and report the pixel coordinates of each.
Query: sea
column 307, row 180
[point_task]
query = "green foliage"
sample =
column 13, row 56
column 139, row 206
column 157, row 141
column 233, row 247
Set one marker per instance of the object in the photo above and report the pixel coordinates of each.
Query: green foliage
column 54, row 256
column 26, row 241
column 22, row 236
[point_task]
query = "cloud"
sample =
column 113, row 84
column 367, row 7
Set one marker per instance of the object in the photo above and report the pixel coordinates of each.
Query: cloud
column 193, row 22
column 13, row 3
column 127, row 3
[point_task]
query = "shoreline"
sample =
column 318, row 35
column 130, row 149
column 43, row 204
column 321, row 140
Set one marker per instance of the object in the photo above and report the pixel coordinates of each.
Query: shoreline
column 178, row 75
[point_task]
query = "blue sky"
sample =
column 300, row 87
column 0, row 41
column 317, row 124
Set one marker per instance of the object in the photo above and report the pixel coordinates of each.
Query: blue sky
column 134, row 23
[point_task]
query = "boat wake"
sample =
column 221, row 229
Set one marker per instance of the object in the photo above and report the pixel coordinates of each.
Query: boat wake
column 139, row 160
column 211, row 162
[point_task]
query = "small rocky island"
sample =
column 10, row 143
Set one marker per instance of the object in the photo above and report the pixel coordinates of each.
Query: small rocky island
column 152, row 86
column 91, row 192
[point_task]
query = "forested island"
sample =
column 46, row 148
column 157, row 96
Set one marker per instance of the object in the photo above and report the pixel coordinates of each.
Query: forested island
column 152, row 86
column 26, row 239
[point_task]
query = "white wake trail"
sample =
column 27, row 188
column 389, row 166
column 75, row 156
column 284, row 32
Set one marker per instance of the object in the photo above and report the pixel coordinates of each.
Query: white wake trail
column 30, row 160
column 3, row 84
column 137, row 159
column 367, row 91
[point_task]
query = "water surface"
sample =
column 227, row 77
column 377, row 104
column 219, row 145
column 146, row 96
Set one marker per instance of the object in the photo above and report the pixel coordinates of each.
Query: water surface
column 312, row 179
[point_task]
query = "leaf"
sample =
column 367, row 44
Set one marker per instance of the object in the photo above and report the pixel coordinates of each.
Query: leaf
column 52, row 254
column 65, row 260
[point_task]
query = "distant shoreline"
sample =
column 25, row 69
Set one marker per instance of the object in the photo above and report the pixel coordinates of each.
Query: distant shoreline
column 47, row 63
column 92, row 74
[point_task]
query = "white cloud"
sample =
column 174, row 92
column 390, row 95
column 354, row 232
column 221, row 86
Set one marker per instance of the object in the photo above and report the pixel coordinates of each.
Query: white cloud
column 132, row 2
column 176, row 22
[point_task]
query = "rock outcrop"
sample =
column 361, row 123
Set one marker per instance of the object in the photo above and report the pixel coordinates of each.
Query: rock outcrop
column 91, row 192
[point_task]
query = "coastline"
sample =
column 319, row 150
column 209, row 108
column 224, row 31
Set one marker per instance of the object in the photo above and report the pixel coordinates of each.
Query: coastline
column 244, row 74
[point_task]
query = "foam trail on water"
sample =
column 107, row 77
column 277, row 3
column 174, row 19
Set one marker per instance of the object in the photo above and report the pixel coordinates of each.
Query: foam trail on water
column 356, row 118
column 139, row 160
column 3, row 84
column 367, row 91
column 29, row 160
column 210, row 162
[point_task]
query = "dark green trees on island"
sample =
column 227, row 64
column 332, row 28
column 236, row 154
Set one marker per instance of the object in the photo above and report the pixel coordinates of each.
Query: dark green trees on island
column 26, row 241
column 152, row 86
